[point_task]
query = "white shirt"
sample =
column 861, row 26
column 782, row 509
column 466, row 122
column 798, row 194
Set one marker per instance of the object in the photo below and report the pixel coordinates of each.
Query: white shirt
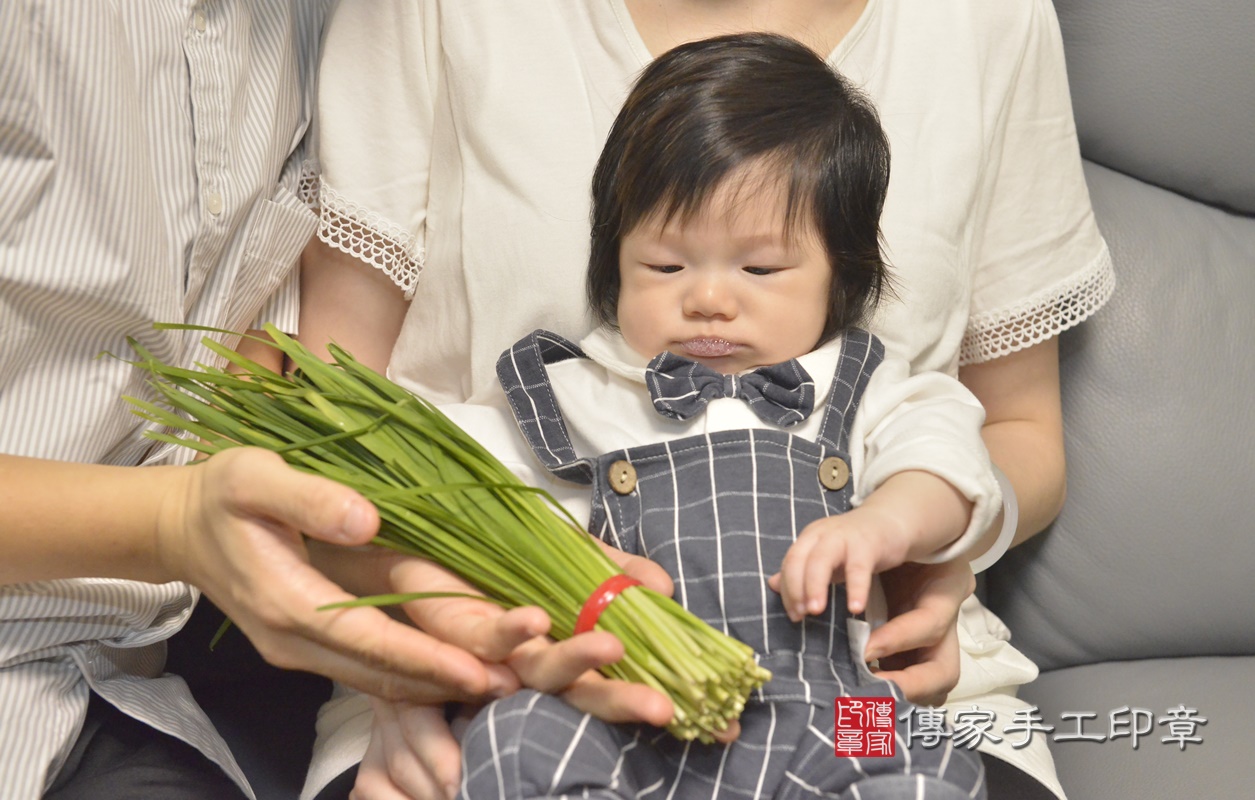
column 150, row 159
column 927, row 421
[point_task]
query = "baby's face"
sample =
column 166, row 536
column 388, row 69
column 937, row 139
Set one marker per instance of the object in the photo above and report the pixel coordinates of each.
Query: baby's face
column 726, row 288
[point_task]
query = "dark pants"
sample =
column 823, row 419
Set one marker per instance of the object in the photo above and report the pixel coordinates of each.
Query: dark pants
column 1004, row 782
column 119, row 758
column 266, row 715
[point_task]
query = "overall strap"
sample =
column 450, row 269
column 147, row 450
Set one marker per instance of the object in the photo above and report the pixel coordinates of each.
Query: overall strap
column 861, row 353
column 525, row 379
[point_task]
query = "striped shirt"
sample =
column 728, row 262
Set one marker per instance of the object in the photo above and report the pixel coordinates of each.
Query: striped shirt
column 151, row 162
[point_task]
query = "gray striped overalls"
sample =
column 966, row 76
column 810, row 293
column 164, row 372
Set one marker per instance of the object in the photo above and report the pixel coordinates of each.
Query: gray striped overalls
column 718, row 512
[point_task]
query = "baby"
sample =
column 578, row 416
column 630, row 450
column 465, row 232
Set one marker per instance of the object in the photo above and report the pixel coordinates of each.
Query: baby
column 728, row 421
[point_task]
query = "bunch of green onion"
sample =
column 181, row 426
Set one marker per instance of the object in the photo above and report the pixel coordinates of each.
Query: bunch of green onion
column 441, row 496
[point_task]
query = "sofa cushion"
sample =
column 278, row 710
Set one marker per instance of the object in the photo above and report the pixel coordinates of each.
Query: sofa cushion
column 1153, row 552
column 1218, row 689
column 1164, row 91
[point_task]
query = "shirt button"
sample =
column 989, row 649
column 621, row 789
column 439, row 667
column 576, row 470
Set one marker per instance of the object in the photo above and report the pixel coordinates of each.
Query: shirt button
column 834, row 473
column 198, row 20
column 213, row 203
column 622, row 477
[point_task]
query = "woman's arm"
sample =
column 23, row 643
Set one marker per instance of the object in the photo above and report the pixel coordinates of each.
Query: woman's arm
column 1024, row 433
column 1024, row 429
column 349, row 302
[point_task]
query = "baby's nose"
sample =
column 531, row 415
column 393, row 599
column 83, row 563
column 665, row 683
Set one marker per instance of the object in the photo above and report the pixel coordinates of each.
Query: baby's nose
column 711, row 296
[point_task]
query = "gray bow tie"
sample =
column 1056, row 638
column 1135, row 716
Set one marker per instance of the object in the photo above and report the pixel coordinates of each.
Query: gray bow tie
column 781, row 394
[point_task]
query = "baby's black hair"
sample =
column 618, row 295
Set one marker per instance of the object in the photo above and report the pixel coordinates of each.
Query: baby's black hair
column 707, row 110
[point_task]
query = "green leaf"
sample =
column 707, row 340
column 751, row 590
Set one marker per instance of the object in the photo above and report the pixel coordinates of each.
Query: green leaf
column 377, row 600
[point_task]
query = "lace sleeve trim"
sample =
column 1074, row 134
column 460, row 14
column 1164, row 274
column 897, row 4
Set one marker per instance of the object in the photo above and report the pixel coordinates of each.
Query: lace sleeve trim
column 365, row 235
column 307, row 184
column 998, row 333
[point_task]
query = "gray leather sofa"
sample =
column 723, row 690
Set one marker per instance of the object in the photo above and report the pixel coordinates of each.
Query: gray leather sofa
column 1142, row 594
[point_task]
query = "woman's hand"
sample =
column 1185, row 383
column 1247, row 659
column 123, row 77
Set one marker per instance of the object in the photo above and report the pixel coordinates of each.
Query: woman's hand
column 918, row 648
column 588, row 690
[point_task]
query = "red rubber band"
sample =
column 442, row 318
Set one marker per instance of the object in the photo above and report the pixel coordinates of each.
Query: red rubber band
column 600, row 599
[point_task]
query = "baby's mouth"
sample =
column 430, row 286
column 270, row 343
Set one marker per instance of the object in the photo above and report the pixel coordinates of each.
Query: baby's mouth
column 708, row 347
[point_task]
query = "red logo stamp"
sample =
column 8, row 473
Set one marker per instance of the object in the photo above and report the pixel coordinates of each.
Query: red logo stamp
column 865, row 727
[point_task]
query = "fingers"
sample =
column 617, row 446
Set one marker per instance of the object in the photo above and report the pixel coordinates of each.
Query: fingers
column 859, row 567
column 648, row 572
column 431, row 739
column 924, row 601
column 919, row 647
column 918, row 628
column 548, row 666
column 791, row 580
column 481, row 628
column 825, row 558
column 568, row 668
column 391, row 769
column 258, row 483
column 823, row 555
column 373, row 781
column 848, row 549
column 361, row 647
column 731, row 734
column 926, row 675
column 495, row 638
column 619, row 701
column 377, row 655
column 240, row 518
column 425, row 761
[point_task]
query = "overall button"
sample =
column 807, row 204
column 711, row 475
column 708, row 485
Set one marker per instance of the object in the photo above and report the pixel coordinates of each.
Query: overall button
column 834, row 473
column 622, row 477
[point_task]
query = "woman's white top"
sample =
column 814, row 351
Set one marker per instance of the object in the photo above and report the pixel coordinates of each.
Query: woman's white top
column 458, row 140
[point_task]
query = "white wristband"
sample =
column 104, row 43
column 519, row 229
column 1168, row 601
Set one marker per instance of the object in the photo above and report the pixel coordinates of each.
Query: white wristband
column 1010, row 520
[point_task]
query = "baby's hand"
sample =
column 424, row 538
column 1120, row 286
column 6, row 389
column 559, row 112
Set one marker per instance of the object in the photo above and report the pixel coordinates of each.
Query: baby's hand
column 849, row 548
column 911, row 515
column 412, row 753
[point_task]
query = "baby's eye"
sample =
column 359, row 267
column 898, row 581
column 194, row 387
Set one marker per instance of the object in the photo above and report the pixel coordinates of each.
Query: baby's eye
column 762, row 270
column 665, row 269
